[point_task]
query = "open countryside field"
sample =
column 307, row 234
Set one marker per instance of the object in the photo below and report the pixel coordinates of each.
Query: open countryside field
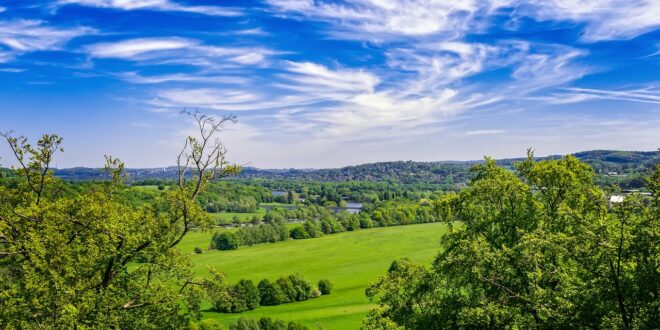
column 228, row 217
column 350, row 260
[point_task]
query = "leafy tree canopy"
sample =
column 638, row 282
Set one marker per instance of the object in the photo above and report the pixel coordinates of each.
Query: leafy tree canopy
column 93, row 260
column 536, row 248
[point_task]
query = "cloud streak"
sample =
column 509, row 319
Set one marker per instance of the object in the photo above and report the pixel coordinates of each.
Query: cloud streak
column 25, row 36
column 157, row 5
column 177, row 50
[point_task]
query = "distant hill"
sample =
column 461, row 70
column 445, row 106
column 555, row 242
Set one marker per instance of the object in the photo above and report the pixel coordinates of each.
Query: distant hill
column 405, row 172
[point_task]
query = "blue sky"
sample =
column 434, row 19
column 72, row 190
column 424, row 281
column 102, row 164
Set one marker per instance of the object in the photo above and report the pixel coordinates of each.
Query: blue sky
column 330, row 83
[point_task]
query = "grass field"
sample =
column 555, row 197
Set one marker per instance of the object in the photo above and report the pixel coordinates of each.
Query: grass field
column 351, row 261
column 227, row 217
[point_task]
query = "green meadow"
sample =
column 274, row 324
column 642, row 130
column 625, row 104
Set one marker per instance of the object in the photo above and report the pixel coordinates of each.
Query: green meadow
column 227, row 217
column 350, row 260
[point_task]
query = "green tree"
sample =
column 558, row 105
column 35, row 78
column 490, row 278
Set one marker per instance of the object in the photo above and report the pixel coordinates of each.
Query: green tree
column 535, row 248
column 225, row 241
column 299, row 232
column 94, row 260
column 270, row 293
column 325, row 286
column 245, row 296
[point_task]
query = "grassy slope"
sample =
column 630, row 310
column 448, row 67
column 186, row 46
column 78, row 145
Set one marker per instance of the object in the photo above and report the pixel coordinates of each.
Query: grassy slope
column 349, row 260
column 227, row 217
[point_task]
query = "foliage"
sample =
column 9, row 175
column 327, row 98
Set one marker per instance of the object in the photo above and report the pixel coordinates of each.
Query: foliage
column 265, row 323
column 532, row 250
column 225, row 241
column 325, row 286
column 245, row 296
column 92, row 259
column 270, row 293
column 299, row 232
column 206, row 324
column 262, row 233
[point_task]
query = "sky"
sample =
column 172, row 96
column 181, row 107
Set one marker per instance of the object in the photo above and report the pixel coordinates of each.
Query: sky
column 331, row 83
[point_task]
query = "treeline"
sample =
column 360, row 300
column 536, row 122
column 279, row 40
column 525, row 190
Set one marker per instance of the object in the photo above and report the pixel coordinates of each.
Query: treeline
column 264, row 323
column 245, row 295
column 250, row 235
column 319, row 193
column 318, row 221
column 229, row 197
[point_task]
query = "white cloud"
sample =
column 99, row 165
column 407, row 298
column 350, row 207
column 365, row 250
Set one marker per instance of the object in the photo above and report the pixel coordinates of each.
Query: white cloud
column 176, row 50
column 604, row 19
column 397, row 17
column 136, row 78
column 24, row 36
column 485, row 132
column 134, row 48
column 159, row 5
column 575, row 95
column 314, row 78
column 450, row 20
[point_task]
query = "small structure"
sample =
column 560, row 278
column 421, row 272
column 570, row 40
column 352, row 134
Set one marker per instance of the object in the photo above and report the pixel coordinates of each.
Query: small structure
column 616, row 199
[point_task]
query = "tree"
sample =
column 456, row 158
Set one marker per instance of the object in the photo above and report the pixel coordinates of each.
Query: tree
column 535, row 248
column 244, row 296
column 325, row 286
column 270, row 293
column 64, row 260
column 299, row 232
column 225, row 241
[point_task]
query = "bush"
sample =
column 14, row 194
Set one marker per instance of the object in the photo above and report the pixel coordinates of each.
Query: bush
column 245, row 324
column 207, row 324
column 312, row 228
column 325, row 286
column 198, row 250
column 299, row 233
column 270, row 293
column 225, row 241
column 244, row 297
column 265, row 323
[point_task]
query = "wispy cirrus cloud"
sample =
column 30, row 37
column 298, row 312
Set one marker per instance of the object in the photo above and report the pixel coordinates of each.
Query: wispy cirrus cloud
column 177, row 50
column 138, row 48
column 568, row 95
column 25, row 36
column 137, row 78
column 603, row 19
column 380, row 20
column 158, row 5
column 485, row 132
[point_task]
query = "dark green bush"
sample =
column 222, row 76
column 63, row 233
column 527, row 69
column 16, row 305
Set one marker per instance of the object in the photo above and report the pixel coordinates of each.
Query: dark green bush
column 225, row 241
column 325, row 286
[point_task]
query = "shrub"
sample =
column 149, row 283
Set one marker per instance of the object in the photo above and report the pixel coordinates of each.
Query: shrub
column 225, row 241
column 265, row 323
column 312, row 228
column 244, row 297
column 198, row 250
column 245, row 324
column 270, row 293
column 299, row 233
column 325, row 286
column 207, row 324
